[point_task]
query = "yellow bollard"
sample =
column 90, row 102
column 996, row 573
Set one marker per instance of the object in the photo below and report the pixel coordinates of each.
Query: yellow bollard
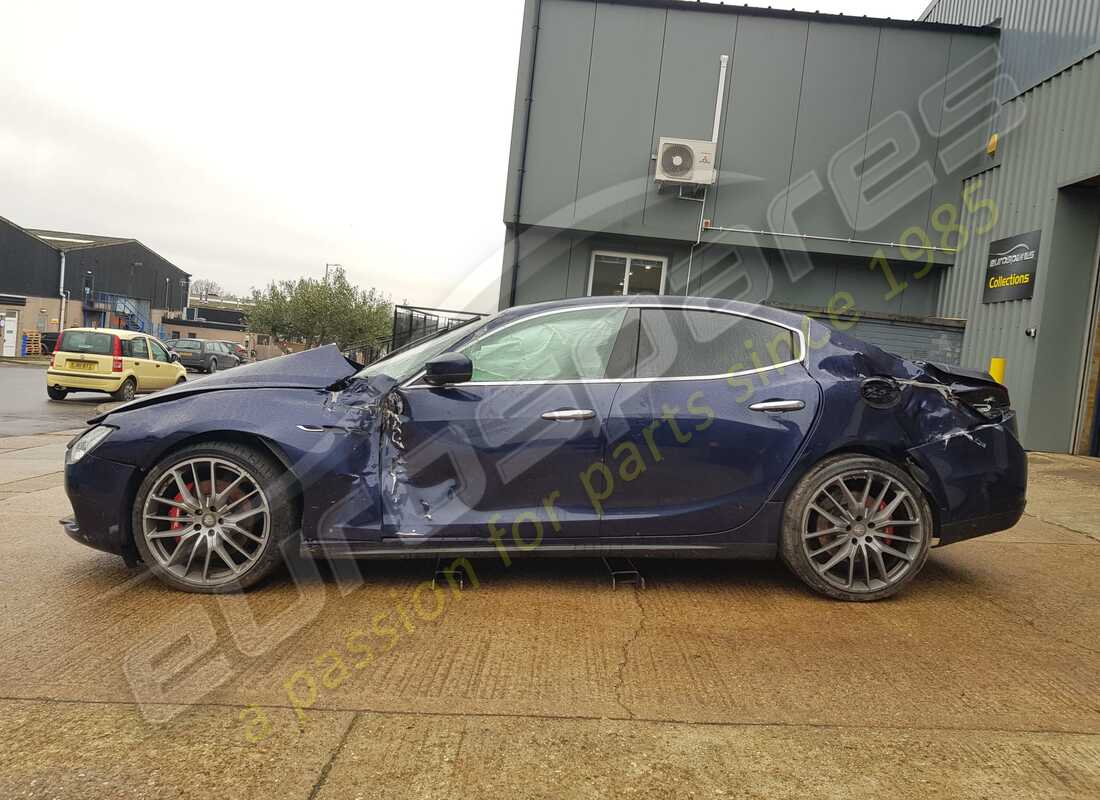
column 997, row 369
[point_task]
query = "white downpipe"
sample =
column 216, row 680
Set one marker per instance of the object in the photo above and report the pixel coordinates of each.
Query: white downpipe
column 725, row 60
column 63, row 295
column 720, row 98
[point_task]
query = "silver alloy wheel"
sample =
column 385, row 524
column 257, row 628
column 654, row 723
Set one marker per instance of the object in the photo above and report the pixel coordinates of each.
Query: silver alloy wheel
column 863, row 531
column 206, row 521
column 128, row 390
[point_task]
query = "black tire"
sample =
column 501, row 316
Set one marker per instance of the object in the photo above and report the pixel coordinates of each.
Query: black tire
column 861, row 529
column 269, row 475
column 55, row 393
column 182, row 379
column 212, row 367
column 126, row 391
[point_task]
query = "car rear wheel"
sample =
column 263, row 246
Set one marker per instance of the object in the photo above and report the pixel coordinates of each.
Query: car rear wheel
column 55, row 393
column 856, row 528
column 126, row 391
column 212, row 367
column 213, row 518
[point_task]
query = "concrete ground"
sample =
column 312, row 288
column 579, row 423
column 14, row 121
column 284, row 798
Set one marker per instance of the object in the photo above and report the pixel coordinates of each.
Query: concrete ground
column 26, row 409
column 716, row 680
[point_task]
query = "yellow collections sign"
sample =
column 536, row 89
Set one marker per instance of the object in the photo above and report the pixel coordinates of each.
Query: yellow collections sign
column 1010, row 271
column 1015, row 279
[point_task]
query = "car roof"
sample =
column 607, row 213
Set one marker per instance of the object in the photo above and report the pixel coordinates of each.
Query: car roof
column 121, row 334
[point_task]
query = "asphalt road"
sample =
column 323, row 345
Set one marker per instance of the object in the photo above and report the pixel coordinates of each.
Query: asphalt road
column 24, row 407
column 716, row 680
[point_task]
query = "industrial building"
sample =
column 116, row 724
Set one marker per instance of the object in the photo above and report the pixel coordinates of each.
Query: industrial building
column 930, row 186
column 51, row 280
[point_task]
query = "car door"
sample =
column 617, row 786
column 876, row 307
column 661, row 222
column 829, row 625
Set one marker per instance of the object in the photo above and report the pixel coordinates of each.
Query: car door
column 165, row 372
column 719, row 405
column 500, row 457
column 137, row 350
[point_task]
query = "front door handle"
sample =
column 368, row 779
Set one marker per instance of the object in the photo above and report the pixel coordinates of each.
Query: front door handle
column 778, row 405
column 569, row 414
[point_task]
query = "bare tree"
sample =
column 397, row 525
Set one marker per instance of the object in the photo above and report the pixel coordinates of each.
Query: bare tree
column 206, row 288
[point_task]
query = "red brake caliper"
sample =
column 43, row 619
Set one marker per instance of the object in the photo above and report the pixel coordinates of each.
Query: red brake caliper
column 886, row 531
column 175, row 511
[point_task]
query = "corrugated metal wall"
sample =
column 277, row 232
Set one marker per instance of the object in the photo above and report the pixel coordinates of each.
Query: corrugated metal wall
column 610, row 79
column 1039, row 37
column 1057, row 144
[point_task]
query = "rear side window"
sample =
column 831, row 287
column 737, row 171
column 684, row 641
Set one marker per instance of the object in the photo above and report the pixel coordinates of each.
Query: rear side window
column 680, row 343
column 91, row 342
column 569, row 345
column 136, row 349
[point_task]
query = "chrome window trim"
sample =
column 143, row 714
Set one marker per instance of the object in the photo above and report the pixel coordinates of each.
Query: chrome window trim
column 802, row 353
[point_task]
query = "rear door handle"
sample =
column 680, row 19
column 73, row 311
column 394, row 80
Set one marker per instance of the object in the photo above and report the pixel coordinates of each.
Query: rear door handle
column 778, row 405
column 569, row 414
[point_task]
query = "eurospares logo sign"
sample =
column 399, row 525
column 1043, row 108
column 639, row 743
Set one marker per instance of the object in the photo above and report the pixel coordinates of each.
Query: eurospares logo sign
column 1010, row 271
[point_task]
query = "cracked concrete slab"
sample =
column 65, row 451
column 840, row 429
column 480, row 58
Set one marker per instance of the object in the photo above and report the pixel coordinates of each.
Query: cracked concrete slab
column 444, row 757
column 58, row 750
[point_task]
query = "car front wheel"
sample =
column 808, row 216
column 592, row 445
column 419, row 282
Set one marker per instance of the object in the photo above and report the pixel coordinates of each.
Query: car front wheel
column 213, row 518
column 856, row 528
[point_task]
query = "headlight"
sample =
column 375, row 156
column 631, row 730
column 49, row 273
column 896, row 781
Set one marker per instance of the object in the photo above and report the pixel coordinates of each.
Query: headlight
column 86, row 443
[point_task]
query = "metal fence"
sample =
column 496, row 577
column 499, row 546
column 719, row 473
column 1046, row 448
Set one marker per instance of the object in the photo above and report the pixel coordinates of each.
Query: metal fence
column 410, row 324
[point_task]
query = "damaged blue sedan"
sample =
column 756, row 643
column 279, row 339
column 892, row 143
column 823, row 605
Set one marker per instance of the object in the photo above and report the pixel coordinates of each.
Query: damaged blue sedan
column 635, row 426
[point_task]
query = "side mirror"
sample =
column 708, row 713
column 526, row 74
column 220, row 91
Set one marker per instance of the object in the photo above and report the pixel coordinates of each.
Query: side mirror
column 448, row 368
column 173, row 356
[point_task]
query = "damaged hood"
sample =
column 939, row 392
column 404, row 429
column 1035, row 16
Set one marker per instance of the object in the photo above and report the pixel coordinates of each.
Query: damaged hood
column 311, row 369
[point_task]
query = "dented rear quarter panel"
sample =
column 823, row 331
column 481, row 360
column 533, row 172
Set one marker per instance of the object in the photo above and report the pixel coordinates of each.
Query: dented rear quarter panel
column 970, row 467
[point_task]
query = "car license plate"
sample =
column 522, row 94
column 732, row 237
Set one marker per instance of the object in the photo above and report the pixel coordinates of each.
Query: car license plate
column 86, row 366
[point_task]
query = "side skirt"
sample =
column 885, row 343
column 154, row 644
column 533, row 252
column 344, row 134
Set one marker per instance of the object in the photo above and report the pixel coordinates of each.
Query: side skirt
column 328, row 550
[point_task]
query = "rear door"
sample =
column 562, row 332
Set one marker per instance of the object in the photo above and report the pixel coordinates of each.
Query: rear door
column 136, row 356
column 718, row 407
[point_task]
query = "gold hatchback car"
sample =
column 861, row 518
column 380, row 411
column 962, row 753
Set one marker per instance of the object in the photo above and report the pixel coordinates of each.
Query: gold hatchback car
column 119, row 363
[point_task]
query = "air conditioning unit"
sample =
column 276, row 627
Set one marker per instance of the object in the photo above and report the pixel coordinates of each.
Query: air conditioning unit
column 685, row 161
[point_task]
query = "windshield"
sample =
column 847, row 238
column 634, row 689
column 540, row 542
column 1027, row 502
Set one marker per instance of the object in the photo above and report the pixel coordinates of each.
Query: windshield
column 410, row 360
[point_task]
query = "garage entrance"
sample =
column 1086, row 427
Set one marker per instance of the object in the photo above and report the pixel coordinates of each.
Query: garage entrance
column 1087, row 438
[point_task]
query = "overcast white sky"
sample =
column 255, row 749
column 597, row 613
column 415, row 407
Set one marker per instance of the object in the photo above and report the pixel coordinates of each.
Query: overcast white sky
column 250, row 142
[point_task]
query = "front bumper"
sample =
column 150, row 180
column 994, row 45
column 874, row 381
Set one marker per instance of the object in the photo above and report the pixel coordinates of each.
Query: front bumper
column 977, row 479
column 100, row 492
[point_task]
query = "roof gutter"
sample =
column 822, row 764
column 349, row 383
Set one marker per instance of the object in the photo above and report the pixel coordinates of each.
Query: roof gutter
column 522, row 166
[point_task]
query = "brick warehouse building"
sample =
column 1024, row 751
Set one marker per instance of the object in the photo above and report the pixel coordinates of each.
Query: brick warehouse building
column 930, row 185
column 50, row 277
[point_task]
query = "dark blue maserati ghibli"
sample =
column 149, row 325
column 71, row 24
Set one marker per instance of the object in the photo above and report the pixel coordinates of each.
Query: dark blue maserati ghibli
column 630, row 426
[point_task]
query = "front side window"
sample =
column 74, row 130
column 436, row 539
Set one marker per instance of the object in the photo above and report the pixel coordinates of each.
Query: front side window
column 159, row 353
column 618, row 274
column 678, row 343
column 563, row 346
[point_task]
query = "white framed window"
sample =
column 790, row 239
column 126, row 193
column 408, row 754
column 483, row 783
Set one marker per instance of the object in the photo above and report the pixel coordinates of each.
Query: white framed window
column 616, row 274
